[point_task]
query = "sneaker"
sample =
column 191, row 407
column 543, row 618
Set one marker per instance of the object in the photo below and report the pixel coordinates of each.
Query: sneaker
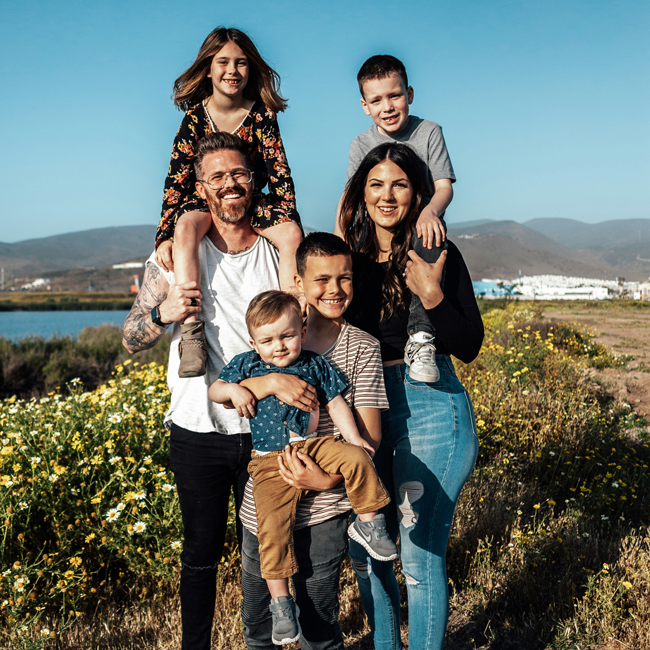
column 420, row 357
column 373, row 536
column 192, row 350
column 286, row 628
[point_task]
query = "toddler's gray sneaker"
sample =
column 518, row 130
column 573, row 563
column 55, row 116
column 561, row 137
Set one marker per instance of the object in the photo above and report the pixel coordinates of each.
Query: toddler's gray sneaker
column 285, row 620
column 420, row 357
column 374, row 537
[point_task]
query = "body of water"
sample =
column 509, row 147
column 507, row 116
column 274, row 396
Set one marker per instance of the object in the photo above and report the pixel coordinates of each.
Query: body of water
column 487, row 288
column 16, row 325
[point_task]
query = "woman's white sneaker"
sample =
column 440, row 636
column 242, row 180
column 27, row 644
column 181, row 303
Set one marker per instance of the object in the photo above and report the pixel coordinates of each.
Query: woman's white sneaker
column 420, row 357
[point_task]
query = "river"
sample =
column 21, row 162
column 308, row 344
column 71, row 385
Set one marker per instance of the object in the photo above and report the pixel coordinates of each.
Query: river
column 16, row 325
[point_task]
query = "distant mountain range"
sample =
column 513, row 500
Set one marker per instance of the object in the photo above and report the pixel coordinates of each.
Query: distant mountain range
column 77, row 250
column 618, row 248
column 503, row 249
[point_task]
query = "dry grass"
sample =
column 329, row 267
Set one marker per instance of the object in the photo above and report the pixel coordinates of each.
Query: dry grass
column 157, row 625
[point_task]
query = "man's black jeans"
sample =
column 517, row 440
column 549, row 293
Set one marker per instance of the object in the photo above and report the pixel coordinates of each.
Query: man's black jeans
column 206, row 467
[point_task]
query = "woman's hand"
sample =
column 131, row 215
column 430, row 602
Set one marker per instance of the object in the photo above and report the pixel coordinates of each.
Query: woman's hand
column 164, row 255
column 300, row 471
column 424, row 279
column 287, row 388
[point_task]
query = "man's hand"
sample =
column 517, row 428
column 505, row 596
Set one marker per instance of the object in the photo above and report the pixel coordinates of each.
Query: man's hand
column 424, row 279
column 242, row 400
column 300, row 471
column 178, row 304
column 165, row 255
column 430, row 228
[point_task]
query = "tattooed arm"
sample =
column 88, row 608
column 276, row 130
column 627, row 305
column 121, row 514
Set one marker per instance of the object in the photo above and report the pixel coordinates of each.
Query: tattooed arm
column 139, row 331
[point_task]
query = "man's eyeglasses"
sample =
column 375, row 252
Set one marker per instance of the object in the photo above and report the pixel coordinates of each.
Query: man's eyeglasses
column 239, row 176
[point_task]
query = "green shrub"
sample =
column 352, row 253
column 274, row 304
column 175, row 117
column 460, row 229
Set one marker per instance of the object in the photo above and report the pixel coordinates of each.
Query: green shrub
column 36, row 366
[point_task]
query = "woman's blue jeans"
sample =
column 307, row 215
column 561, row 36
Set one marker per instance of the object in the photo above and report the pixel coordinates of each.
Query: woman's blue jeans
column 428, row 450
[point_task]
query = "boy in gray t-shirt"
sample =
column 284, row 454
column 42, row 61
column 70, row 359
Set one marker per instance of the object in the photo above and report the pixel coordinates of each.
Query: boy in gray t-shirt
column 386, row 96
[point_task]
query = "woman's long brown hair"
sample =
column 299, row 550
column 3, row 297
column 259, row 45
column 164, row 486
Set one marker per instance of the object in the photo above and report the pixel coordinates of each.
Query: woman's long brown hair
column 359, row 228
column 194, row 85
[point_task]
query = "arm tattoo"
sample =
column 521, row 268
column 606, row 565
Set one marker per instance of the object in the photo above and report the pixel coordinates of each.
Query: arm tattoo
column 139, row 332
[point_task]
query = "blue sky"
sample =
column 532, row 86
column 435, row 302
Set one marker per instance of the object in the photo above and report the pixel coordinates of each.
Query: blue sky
column 544, row 105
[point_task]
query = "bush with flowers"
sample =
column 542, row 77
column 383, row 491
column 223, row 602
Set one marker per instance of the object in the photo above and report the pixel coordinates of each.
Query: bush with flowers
column 561, row 481
column 89, row 506
column 548, row 549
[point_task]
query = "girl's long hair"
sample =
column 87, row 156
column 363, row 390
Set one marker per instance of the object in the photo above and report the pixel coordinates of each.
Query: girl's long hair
column 359, row 228
column 194, row 85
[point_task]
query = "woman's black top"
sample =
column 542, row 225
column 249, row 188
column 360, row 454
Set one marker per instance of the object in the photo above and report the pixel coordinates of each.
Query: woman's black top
column 457, row 320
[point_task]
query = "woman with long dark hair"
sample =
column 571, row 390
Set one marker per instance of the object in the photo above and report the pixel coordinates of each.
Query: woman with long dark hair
column 429, row 442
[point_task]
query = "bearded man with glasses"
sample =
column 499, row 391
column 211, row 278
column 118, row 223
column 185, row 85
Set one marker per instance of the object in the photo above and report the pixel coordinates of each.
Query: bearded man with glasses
column 210, row 446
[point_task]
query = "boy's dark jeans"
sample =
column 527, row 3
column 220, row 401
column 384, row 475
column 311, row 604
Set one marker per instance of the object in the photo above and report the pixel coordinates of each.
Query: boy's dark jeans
column 418, row 319
column 206, row 467
column 320, row 549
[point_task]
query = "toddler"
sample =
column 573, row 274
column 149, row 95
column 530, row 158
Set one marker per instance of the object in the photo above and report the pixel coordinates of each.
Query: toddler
column 275, row 325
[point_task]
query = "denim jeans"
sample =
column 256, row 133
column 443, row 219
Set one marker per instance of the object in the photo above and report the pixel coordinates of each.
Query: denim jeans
column 418, row 319
column 428, row 451
column 206, row 467
column 320, row 549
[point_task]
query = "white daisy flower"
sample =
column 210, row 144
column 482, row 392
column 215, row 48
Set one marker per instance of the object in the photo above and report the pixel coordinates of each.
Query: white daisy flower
column 21, row 583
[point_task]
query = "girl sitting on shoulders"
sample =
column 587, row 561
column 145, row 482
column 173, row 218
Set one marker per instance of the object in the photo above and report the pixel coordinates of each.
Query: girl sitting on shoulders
column 229, row 87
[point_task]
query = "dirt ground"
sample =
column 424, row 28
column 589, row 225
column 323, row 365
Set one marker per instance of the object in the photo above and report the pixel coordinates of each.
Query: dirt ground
column 625, row 331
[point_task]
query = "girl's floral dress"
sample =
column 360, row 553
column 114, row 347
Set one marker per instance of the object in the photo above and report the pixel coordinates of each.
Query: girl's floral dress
column 265, row 152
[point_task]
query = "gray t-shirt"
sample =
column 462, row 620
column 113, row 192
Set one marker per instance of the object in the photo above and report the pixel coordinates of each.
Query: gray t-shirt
column 421, row 135
column 229, row 283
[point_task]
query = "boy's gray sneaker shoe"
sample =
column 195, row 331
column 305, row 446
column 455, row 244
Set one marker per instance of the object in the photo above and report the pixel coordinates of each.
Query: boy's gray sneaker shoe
column 285, row 620
column 420, row 357
column 373, row 536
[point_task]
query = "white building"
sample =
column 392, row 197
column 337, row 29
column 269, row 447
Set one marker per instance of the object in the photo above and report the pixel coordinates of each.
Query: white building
column 129, row 265
column 41, row 283
column 643, row 291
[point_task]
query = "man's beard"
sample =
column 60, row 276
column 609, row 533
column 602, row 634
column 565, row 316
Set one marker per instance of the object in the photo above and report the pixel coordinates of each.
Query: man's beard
column 224, row 212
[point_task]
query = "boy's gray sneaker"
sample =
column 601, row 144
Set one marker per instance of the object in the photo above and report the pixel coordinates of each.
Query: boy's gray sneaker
column 420, row 357
column 373, row 536
column 285, row 620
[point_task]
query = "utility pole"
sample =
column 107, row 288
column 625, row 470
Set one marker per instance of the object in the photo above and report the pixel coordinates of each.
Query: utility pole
column 2, row 279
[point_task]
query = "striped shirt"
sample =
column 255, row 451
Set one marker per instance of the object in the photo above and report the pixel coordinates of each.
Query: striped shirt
column 356, row 354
